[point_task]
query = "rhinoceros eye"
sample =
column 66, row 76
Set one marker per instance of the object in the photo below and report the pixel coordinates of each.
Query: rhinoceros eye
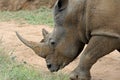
column 52, row 42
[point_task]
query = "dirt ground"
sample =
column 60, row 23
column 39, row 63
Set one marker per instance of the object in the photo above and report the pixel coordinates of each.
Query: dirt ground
column 107, row 68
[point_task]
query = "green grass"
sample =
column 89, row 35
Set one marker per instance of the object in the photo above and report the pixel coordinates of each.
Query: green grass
column 12, row 70
column 37, row 17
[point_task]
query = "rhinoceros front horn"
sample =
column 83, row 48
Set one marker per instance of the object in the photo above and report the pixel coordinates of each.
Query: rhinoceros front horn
column 36, row 47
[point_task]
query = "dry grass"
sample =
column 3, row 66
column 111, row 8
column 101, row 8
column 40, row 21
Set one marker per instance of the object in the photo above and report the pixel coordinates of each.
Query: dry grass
column 37, row 17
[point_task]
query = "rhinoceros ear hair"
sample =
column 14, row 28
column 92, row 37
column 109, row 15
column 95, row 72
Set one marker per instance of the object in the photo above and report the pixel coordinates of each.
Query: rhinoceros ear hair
column 44, row 32
column 62, row 4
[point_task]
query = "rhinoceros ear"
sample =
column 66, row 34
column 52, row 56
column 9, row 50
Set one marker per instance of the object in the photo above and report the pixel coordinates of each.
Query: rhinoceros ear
column 62, row 4
column 44, row 32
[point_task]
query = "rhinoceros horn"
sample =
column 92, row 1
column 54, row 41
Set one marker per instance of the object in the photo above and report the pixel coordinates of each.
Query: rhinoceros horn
column 44, row 32
column 36, row 47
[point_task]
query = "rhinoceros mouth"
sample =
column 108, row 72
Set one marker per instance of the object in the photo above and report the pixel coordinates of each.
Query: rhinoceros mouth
column 60, row 67
column 63, row 65
column 54, row 70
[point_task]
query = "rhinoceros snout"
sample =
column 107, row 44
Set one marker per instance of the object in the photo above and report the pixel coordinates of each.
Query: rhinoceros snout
column 52, row 67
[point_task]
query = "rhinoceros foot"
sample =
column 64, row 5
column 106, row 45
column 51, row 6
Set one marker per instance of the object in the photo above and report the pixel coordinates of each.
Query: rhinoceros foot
column 80, row 75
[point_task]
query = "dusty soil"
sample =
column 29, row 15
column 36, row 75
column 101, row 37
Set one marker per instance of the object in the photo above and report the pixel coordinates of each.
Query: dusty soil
column 107, row 68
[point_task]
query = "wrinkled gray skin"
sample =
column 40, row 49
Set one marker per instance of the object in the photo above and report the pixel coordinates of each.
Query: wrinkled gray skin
column 80, row 22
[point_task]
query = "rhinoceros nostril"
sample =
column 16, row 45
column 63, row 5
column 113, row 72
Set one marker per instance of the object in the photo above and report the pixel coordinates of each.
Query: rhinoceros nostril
column 49, row 65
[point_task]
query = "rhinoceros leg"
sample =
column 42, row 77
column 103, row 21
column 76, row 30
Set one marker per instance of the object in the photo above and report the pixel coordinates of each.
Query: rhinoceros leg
column 98, row 47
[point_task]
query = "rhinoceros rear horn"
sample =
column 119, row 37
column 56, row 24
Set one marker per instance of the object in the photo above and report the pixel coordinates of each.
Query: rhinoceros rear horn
column 44, row 32
column 36, row 47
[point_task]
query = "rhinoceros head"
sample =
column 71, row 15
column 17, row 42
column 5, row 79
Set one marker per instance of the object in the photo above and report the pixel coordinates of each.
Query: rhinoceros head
column 64, row 38
column 63, row 45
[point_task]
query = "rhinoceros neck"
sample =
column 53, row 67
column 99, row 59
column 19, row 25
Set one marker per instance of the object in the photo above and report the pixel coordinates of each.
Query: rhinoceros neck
column 82, row 22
